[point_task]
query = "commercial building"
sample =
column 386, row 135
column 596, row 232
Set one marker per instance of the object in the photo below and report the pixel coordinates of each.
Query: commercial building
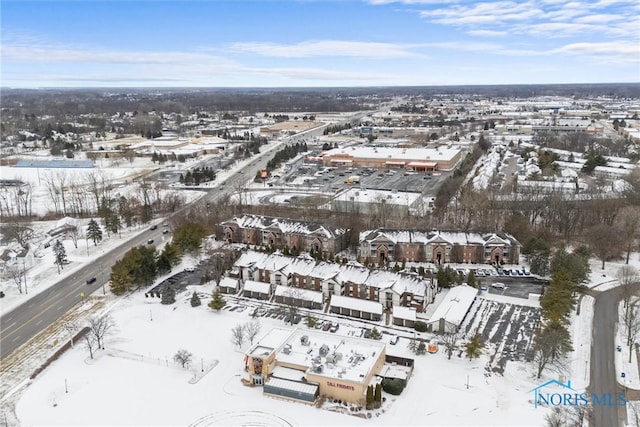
column 419, row 159
column 304, row 364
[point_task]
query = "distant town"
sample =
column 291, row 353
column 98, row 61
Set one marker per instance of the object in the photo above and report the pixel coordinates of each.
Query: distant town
column 358, row 256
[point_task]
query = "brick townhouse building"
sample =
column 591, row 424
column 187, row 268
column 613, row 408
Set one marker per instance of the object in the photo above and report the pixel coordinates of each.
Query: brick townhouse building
column 282, row 232
column 352, row 280
column 438, row 246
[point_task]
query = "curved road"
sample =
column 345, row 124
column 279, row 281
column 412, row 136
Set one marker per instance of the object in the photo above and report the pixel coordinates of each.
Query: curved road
column 603, row 370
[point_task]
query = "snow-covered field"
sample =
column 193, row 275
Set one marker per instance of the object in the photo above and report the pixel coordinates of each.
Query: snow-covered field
column 135, row 382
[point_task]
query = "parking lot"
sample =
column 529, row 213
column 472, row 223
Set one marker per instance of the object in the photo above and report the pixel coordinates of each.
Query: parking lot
column 519, row 287
column 507, row 330
column 333, row 179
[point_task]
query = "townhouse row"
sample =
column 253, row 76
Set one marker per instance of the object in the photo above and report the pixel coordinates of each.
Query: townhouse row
column 375, row 246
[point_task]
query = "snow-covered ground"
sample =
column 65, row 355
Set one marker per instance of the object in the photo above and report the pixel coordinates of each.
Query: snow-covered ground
column 602, row 280
column 134, row 381
column 581, row 333
column 623, row 365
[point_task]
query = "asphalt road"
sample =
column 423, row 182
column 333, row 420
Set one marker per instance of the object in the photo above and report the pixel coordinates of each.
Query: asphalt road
column 603, row 370
column 25, row 321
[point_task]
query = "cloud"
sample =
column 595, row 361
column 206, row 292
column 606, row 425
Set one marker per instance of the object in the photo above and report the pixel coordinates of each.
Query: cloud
column 623, row 52
column 325, row 48
column 487, row 33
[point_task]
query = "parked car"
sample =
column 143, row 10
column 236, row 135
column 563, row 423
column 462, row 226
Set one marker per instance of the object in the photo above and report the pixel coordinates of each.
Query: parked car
column 326, row 326
column 498, row 285
column 296, row 319
column 90, row 281
column 334, row 327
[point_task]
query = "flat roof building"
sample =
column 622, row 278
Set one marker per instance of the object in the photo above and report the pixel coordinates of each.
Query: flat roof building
column 424, row 159
column 330, row 365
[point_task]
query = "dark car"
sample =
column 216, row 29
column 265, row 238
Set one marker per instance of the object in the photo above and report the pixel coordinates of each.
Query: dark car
column 296, row 319
column 165, row 231
column 326, row 326
column 90, row 281
column 154, row 227
column 150, row 242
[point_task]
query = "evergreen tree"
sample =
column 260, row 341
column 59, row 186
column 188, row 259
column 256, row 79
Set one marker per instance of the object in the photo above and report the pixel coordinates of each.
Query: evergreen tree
column 375, row 334
column 473, row 349
column 413, row 345
column 471, row 279
column 60, row 254
column 377, row 396
column 422, row 348
column 217, row 302
column 94, row 232
column 369, row 398
column 195, row 300
column 168, row 294
column 163, row 265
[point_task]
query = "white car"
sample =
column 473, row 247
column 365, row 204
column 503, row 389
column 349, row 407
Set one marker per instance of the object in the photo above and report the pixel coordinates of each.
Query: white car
column 498, row 285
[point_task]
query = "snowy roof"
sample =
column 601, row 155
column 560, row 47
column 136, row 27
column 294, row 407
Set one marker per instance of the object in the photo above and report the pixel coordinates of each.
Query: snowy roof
column 285, row 225
column 351, row 272
column 455, row 305
column 433, row 236
column 375, row 196
column 397, row 154
column 356, row 304
column 296, row 386
column 253, row 286
column 57, row 163
column 299, row 293
column 353, row 361
column 406, row 313
column 229, row 282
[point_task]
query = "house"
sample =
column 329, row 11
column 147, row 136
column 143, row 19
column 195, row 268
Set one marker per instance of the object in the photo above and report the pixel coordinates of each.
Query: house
column 275, row 232
column 438, row 246
column 352, row 280
column 452, row 310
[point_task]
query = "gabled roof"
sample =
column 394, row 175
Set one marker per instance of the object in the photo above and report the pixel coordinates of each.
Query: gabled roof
column 284, row 225
column 450, row 237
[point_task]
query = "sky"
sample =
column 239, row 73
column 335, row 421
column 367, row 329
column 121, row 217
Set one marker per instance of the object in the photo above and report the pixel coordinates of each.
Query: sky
column 308, row 43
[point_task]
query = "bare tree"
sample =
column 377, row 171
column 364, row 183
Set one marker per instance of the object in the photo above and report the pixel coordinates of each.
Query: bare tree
column 237, row 335
column 252, row 329
column 450, row 340
column 552, row 342
column 580, row 416
column 74, row 233
column 22, row 232
column 100, row 327
column 604, row 241
column 556, row 418
column 17, row 274
column 627, row 275
column 630, row 319
column 183, row 357
column 629, row 220
column 90, row 343
column 635, row 411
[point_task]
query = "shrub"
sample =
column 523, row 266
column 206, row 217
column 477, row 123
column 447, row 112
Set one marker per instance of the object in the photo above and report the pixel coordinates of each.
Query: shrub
column 420, row 327
column 393, row 385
